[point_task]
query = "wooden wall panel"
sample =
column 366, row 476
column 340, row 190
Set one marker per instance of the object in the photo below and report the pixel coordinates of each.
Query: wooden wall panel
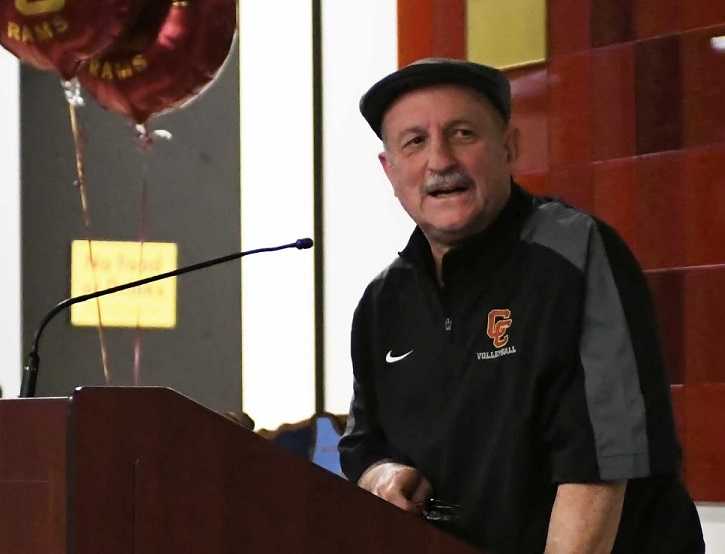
column 537, row 183
column 703, row 445
column 570, row 109
column 574, row 184
column 415, row 30
column 660, row 241
column 611, row 22
column 704, row 183
column 530, row 113
column 430, row 28
column 703, row 326
column 616, row 197
column 703, row 77
column 658, row 92
column 702, row 13
column 613, row 108
column 690, row 307
column 668, row 294
column 449, row 28
column 697, row 410
column 657, row 17
column 569, row 28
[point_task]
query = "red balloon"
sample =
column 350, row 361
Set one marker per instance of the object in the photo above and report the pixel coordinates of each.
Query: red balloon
column 60, row 34
column 174, row 50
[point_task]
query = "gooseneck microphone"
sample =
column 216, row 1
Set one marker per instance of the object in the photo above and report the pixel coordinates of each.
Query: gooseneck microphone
column 30, row 371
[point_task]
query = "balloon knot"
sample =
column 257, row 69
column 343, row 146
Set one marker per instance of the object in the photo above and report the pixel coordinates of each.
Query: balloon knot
column 147, row 138
column 73, row 93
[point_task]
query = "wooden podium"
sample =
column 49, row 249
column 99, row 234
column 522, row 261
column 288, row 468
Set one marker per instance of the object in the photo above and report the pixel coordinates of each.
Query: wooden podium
column 146, row 470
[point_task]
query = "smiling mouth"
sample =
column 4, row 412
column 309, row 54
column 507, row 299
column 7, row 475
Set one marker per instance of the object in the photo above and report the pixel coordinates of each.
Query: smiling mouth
column 452, row 191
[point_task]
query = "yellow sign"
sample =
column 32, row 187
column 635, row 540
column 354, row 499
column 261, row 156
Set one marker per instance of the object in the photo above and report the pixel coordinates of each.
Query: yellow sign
column 115, row 263
column 506, row 34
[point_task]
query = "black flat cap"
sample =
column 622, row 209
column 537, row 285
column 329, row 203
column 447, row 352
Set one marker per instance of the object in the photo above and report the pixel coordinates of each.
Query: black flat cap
column 490, row 82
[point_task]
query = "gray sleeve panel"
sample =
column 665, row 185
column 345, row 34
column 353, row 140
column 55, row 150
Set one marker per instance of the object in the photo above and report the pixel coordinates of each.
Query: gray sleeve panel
column 561, row 229
column 611, row 377
column 613, row 394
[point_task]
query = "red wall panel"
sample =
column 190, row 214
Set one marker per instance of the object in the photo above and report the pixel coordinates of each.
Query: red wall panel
column 690, row 307
column 530, row 114
column 449, row 30
column 570, row 109
column 574, row 184
column 660, row 240
column 702, row 13
column 611, row 22
column 703, row 76
column 703, row 328
column 657, row 17
column 668, row 293
column 537, row 183
column 704, row 183
column 613, row 124
column 658, row 90
column 415, row 30
column 431, row 28
column 703, row 445
column 644, row 199
column 615, row 197
column 568, row 24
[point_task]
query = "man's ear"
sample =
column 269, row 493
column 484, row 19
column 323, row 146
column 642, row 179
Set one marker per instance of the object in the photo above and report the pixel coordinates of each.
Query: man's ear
column 386, row 162
column 383, row 159
column 511, row 144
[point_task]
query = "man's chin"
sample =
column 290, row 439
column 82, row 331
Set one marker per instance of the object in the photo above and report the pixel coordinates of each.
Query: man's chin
column 452, row 234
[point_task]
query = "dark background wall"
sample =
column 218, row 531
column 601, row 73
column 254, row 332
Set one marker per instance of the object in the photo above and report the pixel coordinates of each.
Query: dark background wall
column 193, row 198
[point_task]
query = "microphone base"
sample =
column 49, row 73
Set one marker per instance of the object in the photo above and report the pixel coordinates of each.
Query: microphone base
column 30, row 377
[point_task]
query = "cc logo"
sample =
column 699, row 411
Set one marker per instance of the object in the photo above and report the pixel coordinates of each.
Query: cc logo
column 497, row 327
column 38, row 7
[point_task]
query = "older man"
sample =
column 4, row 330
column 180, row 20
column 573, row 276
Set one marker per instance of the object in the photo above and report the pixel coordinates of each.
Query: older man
column 507, row 361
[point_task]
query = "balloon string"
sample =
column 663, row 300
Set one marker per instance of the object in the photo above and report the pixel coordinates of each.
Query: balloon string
column 101, row 335
column 138, row 339
column 145, row 140
column 74, row 98
column 80, row 165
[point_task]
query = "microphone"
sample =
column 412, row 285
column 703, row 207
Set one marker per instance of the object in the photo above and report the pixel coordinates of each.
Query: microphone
column 303, row 244
column 30, row 371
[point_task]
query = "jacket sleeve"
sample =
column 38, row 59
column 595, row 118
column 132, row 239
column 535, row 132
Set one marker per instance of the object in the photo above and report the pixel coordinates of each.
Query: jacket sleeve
column 613, row 414
column 364, row 441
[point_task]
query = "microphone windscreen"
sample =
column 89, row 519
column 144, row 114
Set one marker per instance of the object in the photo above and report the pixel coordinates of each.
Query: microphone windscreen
column 303, row 244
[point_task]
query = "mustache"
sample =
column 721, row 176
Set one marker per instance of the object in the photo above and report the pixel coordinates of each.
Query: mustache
column 447, row 181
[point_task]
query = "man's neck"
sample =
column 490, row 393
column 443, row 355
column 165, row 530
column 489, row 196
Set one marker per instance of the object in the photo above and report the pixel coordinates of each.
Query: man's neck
column 439, row 248
column 438, row 251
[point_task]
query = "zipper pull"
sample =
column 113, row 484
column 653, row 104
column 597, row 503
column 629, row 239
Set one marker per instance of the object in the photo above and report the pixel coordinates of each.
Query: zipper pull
column 448, row 324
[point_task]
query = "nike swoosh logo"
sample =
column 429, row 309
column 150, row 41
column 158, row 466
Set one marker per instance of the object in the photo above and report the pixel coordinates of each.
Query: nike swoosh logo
column 392, row 359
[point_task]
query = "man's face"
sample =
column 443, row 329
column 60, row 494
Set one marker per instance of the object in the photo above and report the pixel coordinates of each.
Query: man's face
column 448, row 155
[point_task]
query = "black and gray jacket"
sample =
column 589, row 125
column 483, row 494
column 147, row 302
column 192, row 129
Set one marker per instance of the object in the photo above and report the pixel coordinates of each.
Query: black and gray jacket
column 537, row 363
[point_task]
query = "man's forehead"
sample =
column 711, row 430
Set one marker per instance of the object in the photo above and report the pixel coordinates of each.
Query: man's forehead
column 452, row 101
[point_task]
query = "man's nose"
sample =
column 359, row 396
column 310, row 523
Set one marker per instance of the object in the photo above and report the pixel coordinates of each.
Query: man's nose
column 441, row 157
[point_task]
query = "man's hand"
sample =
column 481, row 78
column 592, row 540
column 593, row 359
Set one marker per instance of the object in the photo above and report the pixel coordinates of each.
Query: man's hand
column 401, row 485
column 585, row 518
